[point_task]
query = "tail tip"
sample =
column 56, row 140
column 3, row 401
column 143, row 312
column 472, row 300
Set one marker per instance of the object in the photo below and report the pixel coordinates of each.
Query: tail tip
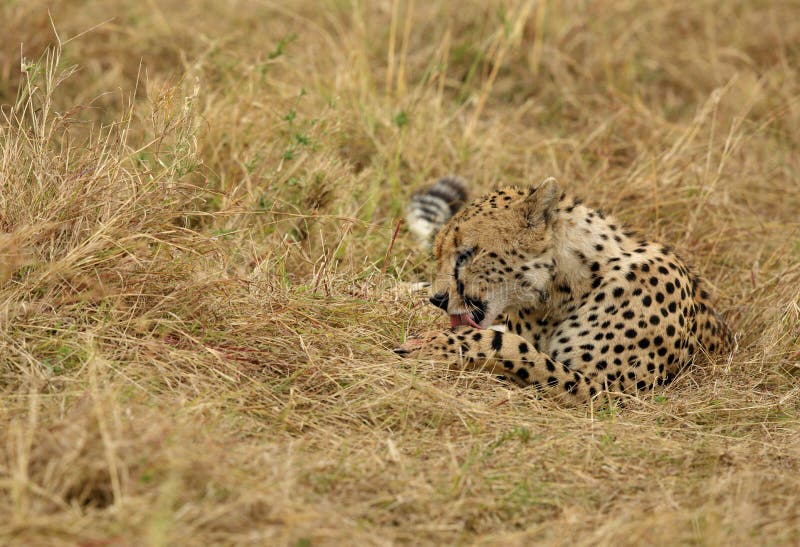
column 432, row 206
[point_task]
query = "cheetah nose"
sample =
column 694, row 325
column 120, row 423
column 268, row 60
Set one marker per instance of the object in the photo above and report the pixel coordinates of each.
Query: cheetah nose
column 440, row 300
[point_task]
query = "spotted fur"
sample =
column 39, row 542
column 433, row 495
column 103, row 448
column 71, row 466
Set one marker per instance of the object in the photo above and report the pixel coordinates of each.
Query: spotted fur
column 587, row 305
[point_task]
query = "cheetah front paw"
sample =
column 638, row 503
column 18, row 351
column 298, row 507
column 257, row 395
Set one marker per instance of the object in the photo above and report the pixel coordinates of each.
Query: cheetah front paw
column 428, row 345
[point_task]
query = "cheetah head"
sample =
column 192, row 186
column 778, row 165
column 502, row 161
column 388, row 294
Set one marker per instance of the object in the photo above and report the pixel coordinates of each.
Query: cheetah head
column 496, row 254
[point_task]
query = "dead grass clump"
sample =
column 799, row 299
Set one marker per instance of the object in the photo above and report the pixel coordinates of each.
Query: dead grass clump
column 92, row 224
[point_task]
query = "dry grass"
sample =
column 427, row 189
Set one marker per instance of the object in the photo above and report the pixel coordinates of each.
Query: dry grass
column 197, row 202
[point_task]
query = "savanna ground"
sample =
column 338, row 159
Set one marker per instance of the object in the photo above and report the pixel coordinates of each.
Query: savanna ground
column 198, row 204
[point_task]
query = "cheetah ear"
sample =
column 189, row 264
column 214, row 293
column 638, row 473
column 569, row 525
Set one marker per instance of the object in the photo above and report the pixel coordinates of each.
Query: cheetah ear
column 541, row 202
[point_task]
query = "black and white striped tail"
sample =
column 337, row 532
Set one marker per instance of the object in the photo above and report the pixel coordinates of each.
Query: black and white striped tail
column 431, row 207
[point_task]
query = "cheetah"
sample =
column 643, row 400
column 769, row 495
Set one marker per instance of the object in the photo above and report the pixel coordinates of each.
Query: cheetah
column 584, row 305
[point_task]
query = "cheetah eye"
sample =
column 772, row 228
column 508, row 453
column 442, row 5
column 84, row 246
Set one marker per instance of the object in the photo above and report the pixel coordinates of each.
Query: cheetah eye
column 464, row 256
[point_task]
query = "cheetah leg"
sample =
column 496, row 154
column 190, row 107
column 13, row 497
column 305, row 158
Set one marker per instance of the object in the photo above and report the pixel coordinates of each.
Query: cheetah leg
column 507, row 354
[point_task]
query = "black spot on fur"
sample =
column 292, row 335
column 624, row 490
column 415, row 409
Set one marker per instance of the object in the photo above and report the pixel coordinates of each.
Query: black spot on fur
column 497, row 340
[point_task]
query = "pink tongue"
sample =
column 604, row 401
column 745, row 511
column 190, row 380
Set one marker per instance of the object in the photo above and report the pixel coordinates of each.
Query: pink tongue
column 463, row 319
